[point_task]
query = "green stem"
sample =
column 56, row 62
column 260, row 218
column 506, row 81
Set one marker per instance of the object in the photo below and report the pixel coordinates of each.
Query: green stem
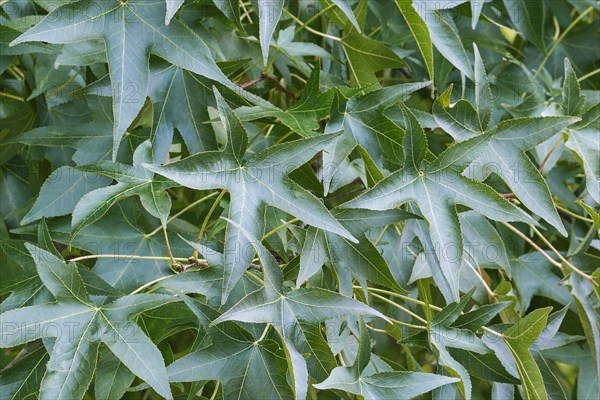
column 214, row 395
column 589, row 74
column 187, row 208
column 399, row 296
column 399, row 307
column 535, row 246
column 151, row 283
column 560, row 256
column 572, row 214
column 421, row 327
column 560, row 38
column 11, row 96
column 168, row 244
column 308, row 28
column 95, row 256
column 272, row 232
column 206, row 219
column 264, row 334
column 313, row 18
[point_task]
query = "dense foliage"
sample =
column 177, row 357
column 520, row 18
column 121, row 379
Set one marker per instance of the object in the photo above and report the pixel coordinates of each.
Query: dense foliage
column 386, row 199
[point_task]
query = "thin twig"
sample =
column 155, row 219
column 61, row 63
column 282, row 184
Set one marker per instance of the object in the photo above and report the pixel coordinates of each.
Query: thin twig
column 183, row 211
column 545, row 160
column 560, row 256
column 572, row 214
column 421, row 327
column 399, row 307
column 133, row 257
column 535, row 246
column 272, row 232
column 253, row 82
column 168, row 244
column 560, row 38
column 280, row 86
column 206, row 219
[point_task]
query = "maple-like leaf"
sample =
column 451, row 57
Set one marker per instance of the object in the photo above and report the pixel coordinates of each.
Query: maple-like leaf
column 131, row 31
column 287, row 310
column 437, row 186
column 249, row 368
column 504, row 154
column 380, row 385
column 252, row 183
column 79, row 326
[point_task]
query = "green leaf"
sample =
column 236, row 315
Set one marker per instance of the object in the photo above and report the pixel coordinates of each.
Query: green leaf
column 132, row 181
column 180, row 99
column 345, row 7
column 504, row 154
column 519, row 338
column 479, row 317
column 285, row 310
column 132, row 235
column 304, row 116
column 437, row 188
column 252, row 183
column 131, row 31
column 382, row 385
column 362, row 260
column 73, row 359
column 528, row 19
column 534, row 276
column 112, row 377
column 584, row 139
column 572, row 99
column 62, row 191
column 172, row 7
column 248, row 369
column 420, row 32
column 367, row 56
column 444, row 36
column 362, row 123
column 22, row 376
column 269, row 13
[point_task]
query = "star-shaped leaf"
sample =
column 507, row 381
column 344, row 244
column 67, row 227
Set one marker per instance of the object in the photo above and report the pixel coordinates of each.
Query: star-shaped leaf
column 286, row 311
column 248, row 368
column 362, row 121
column 253, row 183
column 79, row 326
column 132, row 180
column 131, row 31
column 504, row 155
column 437, row 186
column 62, row 191
column 380, row 385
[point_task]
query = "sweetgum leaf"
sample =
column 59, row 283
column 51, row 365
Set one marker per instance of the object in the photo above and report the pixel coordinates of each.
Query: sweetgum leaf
column 131, row 31
column 252, row 183
column 73, row 360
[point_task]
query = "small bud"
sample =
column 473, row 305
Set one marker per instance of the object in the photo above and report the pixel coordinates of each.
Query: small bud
column 177, row 267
